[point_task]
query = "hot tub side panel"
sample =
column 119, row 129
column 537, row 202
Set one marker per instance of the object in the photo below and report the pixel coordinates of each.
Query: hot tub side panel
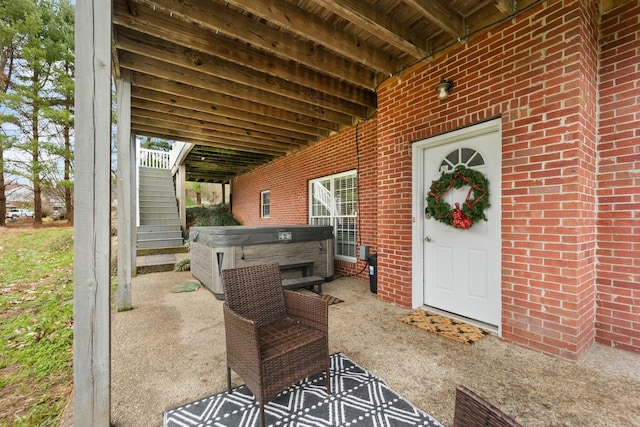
column 214, row 249
column 319, row 253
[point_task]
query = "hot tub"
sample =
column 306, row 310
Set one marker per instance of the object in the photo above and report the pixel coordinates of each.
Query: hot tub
column 214, row 249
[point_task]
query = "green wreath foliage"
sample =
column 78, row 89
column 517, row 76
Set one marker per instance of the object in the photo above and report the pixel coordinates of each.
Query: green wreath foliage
column 475, row 205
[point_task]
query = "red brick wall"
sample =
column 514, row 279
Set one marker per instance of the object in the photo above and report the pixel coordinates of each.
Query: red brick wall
column 538, row 72
column 618, row 271
column 288, row 180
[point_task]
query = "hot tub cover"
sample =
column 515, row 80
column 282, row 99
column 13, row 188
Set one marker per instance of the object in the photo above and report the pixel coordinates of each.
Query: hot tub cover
column 239, row 235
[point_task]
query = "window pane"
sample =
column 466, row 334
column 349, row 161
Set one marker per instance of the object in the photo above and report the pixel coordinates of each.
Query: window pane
column 334, row 201
column 345, row 195
column 346, row 237
column 265, row 204
column 321, row 221
column 321, row 198
column 461, row 156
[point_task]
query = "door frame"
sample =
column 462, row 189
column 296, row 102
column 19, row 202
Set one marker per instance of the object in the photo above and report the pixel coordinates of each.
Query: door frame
column 419, row 191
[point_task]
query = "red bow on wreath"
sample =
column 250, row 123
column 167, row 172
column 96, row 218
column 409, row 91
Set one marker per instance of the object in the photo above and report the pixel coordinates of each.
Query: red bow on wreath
column 460, row 220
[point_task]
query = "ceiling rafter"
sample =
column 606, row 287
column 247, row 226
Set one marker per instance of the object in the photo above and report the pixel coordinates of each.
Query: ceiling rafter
column 187, row 34
column 443, row 15
column 142, row 105
column 248, row 81
column 505, row 6
column 233, row 113
column 218, row 100
column 379, row 24
column 225, row 87
column 204, row 140
column 179, row 122
column 224, row 21
column 299, row 22
column 191, row 64
column 248, row 142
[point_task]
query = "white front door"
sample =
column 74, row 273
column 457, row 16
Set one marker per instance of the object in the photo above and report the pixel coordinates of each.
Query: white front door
column 462, row 266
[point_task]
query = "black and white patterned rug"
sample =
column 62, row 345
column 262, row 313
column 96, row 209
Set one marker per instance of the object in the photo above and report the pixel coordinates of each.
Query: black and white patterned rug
column 358, row 398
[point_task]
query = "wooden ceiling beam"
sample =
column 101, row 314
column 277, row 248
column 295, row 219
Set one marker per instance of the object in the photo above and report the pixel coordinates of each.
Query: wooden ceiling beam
column 218, row 100
column 210, row 179
column 504, row 6
column 442, row 15
column 218, row 171
column 225, row 22
column 379, row 24
column 355, row 84
column 215, row 120
column 198, row 62
column 221, row 111
column 226, row 157
column 171, row 120
column 209, row 83
column 208, row 134
column 221, row 161
column 214, row 165
column 298, row 21
column 198, row 138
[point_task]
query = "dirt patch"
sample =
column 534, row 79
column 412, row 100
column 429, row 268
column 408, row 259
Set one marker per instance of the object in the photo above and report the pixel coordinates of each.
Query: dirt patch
column 16, row 400
column 18, row 293
column 28, row 223
column 13, row 397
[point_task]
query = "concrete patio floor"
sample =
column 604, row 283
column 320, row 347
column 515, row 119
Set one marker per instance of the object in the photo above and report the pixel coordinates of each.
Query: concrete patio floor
column 169, row 350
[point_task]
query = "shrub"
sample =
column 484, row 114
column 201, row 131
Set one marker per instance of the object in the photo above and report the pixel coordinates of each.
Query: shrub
column 218, row 215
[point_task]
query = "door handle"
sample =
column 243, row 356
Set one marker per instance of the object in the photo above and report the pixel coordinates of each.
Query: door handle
column 427, row 239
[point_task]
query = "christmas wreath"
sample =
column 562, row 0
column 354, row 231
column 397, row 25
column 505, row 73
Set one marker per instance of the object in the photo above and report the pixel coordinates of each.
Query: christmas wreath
column 472, row 209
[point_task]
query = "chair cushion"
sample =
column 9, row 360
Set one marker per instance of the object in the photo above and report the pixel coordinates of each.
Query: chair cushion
column 284, row 336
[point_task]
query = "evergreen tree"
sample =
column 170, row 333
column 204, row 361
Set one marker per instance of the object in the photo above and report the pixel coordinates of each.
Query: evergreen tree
column 33, row 100
column 156, row 144
column 62, row 112
column 16, row 17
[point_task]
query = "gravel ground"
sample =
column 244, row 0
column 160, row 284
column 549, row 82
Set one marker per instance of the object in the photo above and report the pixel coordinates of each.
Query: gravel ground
column 169, row 350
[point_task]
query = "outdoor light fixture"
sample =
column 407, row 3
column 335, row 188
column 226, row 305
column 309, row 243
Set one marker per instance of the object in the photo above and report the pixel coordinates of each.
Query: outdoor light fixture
column 443, row 89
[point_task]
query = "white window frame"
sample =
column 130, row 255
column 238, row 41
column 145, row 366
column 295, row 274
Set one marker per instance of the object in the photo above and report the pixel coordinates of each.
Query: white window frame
column 340, row 211
column 265, row 206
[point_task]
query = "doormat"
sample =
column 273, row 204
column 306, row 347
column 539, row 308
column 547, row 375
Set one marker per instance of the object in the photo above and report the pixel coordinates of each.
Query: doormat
column 330, row 299
column 358, row 398
column 445, row 327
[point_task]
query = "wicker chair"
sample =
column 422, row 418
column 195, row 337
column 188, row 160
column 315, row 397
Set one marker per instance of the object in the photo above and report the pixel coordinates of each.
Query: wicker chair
column 274, row 337
column 472, row 410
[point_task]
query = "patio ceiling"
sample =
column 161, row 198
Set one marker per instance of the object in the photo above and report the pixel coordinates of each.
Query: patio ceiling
column 247, row 81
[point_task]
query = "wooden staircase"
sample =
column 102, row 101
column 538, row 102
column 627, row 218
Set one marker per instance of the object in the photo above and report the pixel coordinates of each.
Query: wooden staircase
column 158, row 207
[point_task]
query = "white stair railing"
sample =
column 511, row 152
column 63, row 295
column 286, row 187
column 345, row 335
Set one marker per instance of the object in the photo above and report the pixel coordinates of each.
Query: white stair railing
column 324, row 196
column 154, row 159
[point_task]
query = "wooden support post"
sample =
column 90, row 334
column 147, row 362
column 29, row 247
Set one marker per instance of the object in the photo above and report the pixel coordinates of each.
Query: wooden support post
column 92, row 195
column 125, row 192
column 181, row 190
column 133, row 236
column 224, row 192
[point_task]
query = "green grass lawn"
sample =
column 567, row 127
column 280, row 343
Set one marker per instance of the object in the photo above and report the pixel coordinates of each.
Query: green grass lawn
column 36, row 325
